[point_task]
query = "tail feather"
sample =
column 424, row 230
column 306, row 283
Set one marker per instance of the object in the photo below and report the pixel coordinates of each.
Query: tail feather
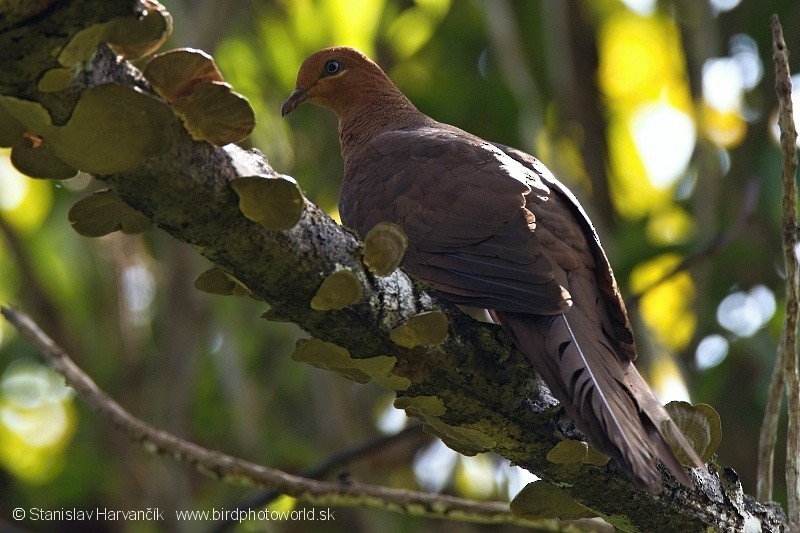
column 592, row 384
column 602, row 392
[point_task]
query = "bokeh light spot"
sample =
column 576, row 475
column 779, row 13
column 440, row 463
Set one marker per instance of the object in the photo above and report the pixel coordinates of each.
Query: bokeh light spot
column 711, row 351
column 744, row 313
column 665, row 137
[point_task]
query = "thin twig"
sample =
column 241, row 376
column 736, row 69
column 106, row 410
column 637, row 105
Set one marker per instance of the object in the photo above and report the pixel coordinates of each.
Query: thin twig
column 716, row 244
column 769, row 428
column 238, row 471
column 324, row 469
column 785, row 374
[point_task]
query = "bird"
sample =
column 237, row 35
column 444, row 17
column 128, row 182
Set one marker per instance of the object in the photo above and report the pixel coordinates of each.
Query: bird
column 489, row 226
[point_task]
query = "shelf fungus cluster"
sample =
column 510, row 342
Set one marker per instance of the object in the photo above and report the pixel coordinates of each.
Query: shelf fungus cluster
column 132, row 37
column 343, row 288
column 700, row 424
column 430, row 409
column 191, row 83
column 541, row 500
column 122, row 125
column 113, row 128
column 329, row 356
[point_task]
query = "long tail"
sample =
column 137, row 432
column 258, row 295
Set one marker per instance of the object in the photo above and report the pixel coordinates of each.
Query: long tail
column 603, row 393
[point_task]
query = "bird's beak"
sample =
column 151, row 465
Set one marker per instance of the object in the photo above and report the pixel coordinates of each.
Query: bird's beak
column 297, row 97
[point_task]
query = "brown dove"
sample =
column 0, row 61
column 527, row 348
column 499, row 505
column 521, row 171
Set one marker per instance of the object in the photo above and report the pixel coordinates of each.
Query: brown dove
column 489, row 226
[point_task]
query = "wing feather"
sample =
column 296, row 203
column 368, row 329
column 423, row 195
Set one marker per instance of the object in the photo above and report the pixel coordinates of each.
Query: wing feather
column 463, row 204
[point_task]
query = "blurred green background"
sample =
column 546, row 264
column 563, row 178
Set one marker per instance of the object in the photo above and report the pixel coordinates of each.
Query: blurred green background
column 659, row 115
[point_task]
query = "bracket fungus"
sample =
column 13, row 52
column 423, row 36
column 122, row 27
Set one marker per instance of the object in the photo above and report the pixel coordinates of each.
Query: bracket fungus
column 174, row 74
column 135, row 37
column 35, row 158
column 330, row 356
column 568, row 452
column 274, row 202
column 340, row 289
column 11, row 130
column 191, row 83
column 131, row 37
column 55, row 79
column 217, row 281
column 113, row 128
column 102, row 212
column 429, row 328
column 701, row 425
column 466, row 440
column 384, row 247
column 542, row 500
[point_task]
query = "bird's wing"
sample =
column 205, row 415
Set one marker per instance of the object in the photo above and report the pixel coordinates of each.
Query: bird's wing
column 462, row 202
column 606, row 283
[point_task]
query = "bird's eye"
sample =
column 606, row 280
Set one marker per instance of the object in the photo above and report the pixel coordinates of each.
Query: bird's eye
column 332, row 67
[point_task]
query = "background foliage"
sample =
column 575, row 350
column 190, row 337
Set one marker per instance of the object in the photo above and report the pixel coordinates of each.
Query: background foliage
column 657, row 114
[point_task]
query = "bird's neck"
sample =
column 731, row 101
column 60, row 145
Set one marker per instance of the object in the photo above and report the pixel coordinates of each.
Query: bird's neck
column 379, row 113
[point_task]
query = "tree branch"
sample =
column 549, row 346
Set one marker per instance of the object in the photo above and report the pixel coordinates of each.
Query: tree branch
column 785, row 374
column 329, row 466
column 241, row 472
column 475, row 390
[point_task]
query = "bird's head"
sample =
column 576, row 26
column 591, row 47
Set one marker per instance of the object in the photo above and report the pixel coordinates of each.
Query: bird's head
column 335, row 78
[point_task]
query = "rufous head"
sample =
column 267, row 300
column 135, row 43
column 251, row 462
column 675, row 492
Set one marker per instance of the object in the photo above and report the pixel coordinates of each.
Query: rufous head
column 336, row 78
